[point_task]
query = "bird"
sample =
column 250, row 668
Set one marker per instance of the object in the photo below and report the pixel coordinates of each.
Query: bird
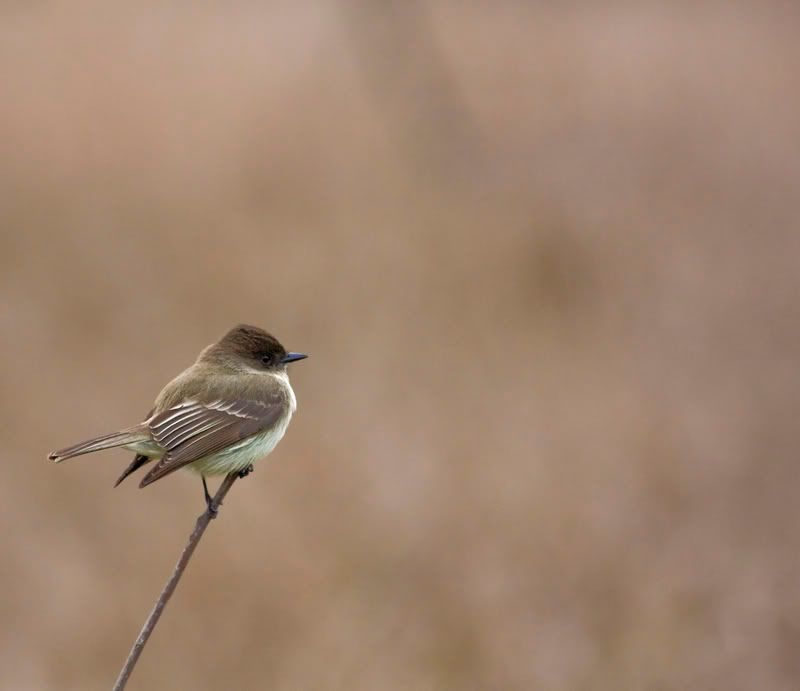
column 219, row 416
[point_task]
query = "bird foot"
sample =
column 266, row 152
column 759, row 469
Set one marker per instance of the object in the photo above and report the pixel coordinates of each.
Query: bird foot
column 246, row 471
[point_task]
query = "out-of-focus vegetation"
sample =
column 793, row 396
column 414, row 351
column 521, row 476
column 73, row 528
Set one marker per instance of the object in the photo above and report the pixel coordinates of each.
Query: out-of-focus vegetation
column 545, row 258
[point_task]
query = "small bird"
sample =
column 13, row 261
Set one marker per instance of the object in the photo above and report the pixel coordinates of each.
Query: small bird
column 219, row 416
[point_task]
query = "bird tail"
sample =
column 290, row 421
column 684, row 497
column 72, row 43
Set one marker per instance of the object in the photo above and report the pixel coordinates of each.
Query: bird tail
column 107, row 441
column 138, row 461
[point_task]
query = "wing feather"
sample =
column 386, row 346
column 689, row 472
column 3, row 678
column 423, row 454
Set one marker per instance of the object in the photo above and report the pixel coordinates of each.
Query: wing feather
column 179, row 422
column 189, row 432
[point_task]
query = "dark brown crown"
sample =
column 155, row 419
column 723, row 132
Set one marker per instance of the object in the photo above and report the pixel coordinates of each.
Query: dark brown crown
column 251, row 342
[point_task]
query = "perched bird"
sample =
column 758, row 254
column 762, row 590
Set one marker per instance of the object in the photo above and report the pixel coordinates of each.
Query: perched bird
column 219, row 416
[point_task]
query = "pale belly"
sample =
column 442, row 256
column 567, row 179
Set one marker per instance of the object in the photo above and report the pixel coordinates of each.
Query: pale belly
column 241, row 455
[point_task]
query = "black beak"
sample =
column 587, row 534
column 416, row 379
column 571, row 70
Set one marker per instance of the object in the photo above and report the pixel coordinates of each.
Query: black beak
column 293, row 357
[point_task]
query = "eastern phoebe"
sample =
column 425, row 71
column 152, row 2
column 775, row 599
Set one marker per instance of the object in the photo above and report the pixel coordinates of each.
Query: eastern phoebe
column 229, row 409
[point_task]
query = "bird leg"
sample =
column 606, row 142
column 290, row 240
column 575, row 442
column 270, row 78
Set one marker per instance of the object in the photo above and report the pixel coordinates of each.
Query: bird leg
column 209, row 501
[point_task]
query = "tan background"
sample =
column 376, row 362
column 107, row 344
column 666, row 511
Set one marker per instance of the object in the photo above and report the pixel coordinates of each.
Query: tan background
column 545, row 258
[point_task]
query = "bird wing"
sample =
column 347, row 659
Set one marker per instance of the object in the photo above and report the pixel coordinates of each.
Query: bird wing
column 192, row 430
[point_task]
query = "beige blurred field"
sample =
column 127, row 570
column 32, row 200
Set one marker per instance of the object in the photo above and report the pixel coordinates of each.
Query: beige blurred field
column 545, row 258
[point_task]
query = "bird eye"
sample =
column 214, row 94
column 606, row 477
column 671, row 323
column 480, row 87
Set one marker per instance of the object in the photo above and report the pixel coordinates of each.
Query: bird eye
column 266, row 359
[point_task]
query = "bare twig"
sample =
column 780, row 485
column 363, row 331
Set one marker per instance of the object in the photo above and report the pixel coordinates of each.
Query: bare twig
column 199, row 528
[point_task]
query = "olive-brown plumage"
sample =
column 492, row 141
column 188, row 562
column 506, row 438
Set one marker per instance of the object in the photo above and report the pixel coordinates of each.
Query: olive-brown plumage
column 227, row 410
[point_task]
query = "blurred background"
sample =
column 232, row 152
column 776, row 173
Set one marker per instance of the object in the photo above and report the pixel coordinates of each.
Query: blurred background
column 545, row 258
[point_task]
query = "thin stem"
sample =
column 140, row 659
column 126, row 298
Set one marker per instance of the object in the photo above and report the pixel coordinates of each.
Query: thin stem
column 199, row 528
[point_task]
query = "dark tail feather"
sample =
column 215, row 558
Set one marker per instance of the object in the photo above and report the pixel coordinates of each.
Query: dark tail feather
column 137, row 462
column 107, row 441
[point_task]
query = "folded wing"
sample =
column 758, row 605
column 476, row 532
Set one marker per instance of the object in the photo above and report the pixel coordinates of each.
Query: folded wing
column 192, row 430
